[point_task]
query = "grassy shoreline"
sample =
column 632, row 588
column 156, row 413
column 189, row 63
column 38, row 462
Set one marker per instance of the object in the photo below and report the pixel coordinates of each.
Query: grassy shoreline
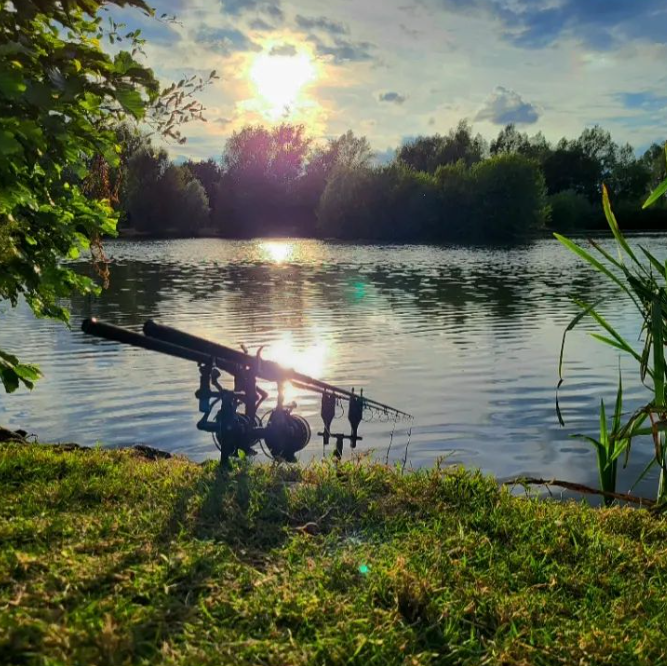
column 108, row 557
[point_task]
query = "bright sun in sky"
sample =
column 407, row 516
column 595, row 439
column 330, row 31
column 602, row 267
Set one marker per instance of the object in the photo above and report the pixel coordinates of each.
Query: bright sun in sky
column 280, row 79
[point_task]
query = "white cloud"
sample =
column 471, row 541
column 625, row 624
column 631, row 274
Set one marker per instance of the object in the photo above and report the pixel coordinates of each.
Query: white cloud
column 506, row 106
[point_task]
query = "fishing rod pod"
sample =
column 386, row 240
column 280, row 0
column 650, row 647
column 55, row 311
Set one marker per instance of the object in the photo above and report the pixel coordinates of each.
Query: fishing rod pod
column 284, row 432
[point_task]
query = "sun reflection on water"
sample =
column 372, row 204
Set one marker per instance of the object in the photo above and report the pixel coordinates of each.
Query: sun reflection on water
column 278, row 252
column 310, row 359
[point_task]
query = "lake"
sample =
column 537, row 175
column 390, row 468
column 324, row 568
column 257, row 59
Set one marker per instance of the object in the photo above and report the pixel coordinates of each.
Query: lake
column 466, row 339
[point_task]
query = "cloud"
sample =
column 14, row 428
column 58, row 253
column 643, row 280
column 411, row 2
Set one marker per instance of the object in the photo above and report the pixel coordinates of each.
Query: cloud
column 271, row 8
column 321, row 24
column 392, row 98
column 505, row 106
column 600, row 24
column 283, row 50
column 225, row 40
column 261, row 25
column 343, row 50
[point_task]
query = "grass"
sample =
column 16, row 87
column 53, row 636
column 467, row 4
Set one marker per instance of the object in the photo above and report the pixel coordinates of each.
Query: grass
column 109, row 558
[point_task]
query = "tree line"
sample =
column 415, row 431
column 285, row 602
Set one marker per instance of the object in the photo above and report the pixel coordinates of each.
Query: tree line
column 439, row 188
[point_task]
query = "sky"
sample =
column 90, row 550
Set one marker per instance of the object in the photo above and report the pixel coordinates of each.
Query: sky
column 395, row 69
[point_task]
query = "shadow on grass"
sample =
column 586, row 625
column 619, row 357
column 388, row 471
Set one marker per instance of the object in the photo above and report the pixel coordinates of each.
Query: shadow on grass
column 155, row 587
column 246, row 513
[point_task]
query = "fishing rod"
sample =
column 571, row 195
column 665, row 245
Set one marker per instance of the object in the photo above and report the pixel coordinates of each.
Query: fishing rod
column 284, row 432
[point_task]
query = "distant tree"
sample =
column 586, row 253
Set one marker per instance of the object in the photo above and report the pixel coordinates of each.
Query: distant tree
column 429, row 153
column 346, row 152
column 208, row 173
column 346, row 207
column 572, row 211
column 392, row 202
column 570, row 168
column 511, row 199
column 456, row 193
column 258, row 154
column 655, row 162
column 425, row 153
column 164, row 198
column 510, row 142
column 261, row 169
column 630, row 178
column 597, row 144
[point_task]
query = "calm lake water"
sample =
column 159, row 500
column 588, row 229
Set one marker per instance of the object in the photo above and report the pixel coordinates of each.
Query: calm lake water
column 466, row 339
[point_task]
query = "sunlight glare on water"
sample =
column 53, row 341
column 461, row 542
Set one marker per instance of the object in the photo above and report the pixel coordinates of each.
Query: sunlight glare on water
column 277, row 252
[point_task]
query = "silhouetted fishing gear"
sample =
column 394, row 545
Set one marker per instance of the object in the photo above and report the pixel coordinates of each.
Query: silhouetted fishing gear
column 284, row 432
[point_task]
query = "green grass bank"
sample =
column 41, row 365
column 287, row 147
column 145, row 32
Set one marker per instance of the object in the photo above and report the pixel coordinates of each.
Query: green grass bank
column 107, row 557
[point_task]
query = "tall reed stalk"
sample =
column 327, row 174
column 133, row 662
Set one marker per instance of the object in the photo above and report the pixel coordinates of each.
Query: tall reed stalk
column 643, row 278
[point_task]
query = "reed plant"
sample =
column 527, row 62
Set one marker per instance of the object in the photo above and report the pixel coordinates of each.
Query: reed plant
column 642, row 278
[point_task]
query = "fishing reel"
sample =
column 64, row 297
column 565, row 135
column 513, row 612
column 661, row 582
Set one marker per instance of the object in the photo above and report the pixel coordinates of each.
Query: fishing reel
column 284, row 433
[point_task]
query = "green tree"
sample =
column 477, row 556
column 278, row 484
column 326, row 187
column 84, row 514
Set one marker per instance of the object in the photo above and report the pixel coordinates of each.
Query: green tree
column 208, row 173
column 345, row 152
column 346, row 206
column 510, row 141
column 571, row 211
column 262, row 168
column 430, row 152
column 570, row 168
column 164, row 198
column 456, row 190
column 511, row 198
column 61, row 98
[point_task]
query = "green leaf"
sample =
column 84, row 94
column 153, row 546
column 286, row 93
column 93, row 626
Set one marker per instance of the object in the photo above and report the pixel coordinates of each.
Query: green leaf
column 656, row 194
column 571, row 326
column 661, row 268
column 618, row 408
column 604, row 439
column 624, row 347
column 613, row 225
column 9, row 379
column 658, row 353
column 8, row 144
column 27, row 373
column 573, row 247
column 131, row 101
column 12, row 84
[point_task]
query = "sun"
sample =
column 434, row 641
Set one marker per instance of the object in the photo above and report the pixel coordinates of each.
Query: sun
column 280, row 80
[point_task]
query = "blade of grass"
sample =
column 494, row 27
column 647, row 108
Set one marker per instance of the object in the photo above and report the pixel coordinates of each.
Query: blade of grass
column 618, row 407
column 656, row 194
column 578, row 250
column 571, row 326
column 658, row 353
column 617, row 345
column 613, row 225
column 662, row 269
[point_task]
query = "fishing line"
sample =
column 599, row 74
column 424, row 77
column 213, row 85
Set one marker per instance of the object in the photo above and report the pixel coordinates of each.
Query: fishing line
column 391, row 439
